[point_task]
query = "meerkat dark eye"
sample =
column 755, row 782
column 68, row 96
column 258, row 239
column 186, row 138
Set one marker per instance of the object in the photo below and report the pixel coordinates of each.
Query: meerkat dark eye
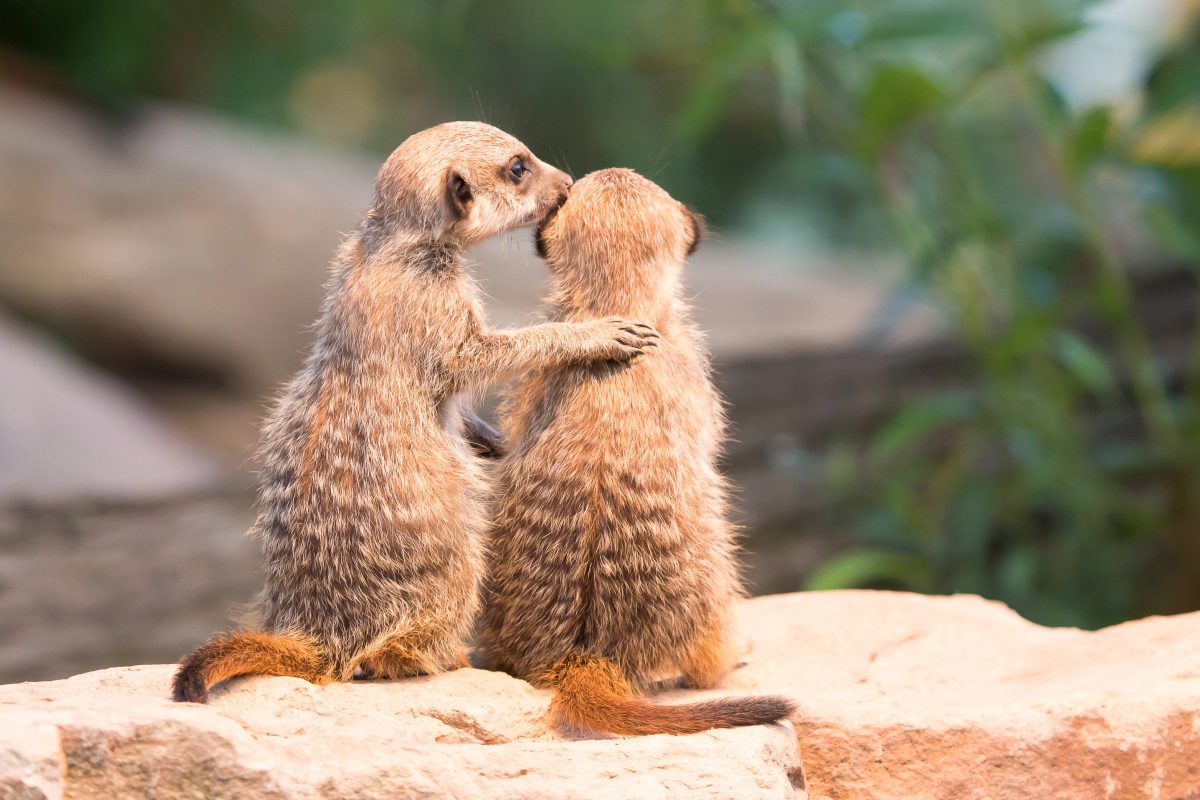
column 518, row 169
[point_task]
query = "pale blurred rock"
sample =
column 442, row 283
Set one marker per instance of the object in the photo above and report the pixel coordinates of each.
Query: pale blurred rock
column 901, row 696
column 176, row 241
column 69, row 433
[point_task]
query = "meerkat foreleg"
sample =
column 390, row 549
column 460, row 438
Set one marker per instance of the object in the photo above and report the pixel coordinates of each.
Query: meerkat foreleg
column 494, row 355
column 710, row 656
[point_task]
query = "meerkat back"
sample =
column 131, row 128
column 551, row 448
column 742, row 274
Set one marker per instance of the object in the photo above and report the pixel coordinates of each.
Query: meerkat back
column 611, row 535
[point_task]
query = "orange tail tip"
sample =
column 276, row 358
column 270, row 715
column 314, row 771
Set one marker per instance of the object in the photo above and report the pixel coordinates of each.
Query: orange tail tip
column 228, row 655
column 592, row 693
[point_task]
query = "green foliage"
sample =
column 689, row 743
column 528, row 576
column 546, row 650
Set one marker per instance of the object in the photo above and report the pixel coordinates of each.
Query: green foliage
column 873, row 566
column 685, row 91
column 1065, row 480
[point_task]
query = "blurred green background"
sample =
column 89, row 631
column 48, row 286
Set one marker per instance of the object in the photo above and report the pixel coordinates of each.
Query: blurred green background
column 1034, row 163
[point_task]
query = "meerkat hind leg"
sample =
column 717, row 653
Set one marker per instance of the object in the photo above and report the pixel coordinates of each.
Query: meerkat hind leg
column 709, row 659
column 391, row 664
column 409, row 654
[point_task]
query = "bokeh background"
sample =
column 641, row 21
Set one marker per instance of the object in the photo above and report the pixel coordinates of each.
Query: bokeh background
column 952, row 291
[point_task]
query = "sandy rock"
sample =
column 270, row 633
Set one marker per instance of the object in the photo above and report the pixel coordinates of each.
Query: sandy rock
column 901, row 696
column 959, row 698
column 468, row 734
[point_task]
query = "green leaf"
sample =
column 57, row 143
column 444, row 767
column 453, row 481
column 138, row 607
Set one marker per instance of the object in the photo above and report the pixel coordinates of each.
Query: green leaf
column 715, row 89
column 940, row 24
column 896, row 96
column 1084, row 363
column 861, row 568
column 1174, row 233
column 1025, row 26
column 920, row 419
column 1089, row 138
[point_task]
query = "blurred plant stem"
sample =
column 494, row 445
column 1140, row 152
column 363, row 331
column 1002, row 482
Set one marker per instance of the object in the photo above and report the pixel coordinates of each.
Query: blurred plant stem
column 1115, row 299
column 1192, row 382
column 1112, row 281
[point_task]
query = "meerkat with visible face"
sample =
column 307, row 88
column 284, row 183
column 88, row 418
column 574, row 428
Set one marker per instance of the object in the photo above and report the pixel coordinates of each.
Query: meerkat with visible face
column 372, row 509
column 611, row 560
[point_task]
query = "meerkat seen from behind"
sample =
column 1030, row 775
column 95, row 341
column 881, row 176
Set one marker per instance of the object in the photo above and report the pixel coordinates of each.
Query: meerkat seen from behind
column 372, row 508
column 611, row 561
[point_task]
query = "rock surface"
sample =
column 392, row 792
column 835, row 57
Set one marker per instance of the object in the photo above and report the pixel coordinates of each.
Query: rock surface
column 901, row 696
column 959, row 698
column 472, row 734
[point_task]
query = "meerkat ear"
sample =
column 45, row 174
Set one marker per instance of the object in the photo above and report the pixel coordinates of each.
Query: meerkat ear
column 458, row 195
column 699, row 228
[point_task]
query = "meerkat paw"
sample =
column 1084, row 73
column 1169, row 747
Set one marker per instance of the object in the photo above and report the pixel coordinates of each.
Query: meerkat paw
column 622, row 339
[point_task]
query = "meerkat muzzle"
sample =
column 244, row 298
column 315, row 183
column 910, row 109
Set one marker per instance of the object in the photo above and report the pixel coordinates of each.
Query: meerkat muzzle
column 540, row 230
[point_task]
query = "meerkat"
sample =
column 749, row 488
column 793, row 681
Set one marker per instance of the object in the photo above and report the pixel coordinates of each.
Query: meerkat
column 611, row 559
column 372, row 508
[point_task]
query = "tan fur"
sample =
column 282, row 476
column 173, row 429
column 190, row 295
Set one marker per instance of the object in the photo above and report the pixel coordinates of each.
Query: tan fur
column 612, row 562
column 372, row 506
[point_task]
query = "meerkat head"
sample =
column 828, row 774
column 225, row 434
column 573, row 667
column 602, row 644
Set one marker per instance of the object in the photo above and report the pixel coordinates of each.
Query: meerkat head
column 462, row 182
column 618, row 243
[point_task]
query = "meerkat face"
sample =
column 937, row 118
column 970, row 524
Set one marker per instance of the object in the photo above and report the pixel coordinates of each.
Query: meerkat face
column 617, row 217
column 464, row 182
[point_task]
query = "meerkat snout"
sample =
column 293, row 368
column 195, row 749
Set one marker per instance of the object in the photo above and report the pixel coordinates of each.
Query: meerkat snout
column 558, row 189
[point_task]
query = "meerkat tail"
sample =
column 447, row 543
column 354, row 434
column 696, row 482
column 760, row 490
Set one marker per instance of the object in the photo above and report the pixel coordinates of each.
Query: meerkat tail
column 592, row 693
column 229, row 655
